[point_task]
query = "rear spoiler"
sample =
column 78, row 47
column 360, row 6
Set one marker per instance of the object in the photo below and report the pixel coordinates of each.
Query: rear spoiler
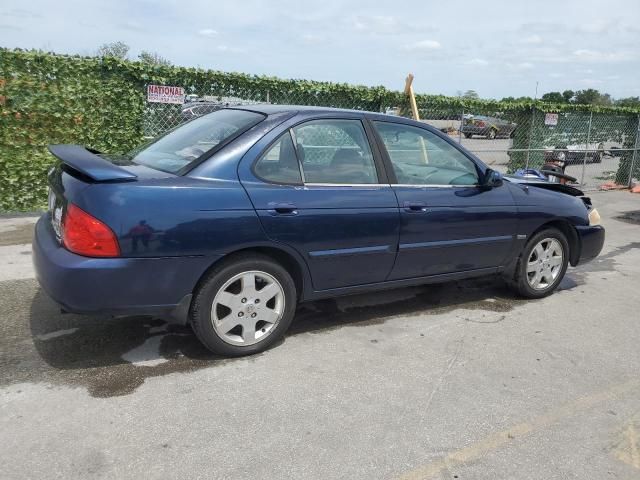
column 89, row 163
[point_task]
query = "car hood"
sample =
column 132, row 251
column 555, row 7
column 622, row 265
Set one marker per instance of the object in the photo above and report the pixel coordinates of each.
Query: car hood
column 556, row 187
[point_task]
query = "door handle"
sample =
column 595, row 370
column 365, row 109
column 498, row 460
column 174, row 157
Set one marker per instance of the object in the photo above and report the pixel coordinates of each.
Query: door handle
column 415, row 207
column 282, row 208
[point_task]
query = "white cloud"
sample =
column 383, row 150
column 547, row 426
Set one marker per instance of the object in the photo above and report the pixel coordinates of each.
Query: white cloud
column 423, row 46
column 312, row 39
column 600, row 27
column 590, row 82
column 376, row 23
column 386, row 25
column 208, row 32
column 228, row 49
column 521, row 66
column 477, row 62
column 533, row 40
column 599, row 56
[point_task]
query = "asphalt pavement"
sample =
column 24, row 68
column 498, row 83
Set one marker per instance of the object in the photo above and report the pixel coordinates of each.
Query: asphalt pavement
column 462, row 380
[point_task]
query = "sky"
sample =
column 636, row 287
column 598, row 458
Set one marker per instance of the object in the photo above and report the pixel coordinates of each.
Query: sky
column 498, row 48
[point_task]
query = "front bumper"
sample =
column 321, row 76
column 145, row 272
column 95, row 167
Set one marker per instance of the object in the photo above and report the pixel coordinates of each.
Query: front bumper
column 119, row 286
column 591, row 242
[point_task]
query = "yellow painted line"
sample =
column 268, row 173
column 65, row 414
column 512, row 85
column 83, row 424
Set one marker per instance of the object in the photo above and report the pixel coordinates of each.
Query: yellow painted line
column 498, row 439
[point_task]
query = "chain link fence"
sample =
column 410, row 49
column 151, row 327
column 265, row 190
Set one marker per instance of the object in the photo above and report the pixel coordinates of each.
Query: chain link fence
column 596, row 150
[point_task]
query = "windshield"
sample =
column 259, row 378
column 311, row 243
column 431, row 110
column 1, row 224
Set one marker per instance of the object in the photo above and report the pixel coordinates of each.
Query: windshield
column 185, row 144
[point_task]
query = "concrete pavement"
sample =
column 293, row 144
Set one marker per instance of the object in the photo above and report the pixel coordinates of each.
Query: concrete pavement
column 456, row 381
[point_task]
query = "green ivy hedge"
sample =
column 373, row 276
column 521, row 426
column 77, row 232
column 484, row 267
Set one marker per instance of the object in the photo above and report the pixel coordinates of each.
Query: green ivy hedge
column 100, row 102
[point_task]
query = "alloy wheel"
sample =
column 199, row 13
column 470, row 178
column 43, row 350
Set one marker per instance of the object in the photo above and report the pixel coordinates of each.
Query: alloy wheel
column 544, row 263
column 247, row 308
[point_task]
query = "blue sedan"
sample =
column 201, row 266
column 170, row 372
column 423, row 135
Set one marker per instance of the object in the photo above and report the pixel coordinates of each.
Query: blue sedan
column 231, row 220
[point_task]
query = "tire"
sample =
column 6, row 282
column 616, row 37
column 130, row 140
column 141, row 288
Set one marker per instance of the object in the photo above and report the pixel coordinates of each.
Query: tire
column 468, row 135
column 525, row 275
column 227, row 301
column 491, row 134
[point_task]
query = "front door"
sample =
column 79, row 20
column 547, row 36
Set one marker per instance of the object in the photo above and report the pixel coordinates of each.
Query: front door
column 317, row 188
column 448, row 223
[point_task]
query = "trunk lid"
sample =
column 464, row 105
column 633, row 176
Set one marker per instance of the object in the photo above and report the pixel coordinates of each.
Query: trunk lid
column 81, row 167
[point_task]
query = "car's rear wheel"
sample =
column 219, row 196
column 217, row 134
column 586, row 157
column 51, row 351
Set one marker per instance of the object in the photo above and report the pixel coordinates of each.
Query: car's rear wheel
column 468, row 135
column 244, row 306
column 542, row 264
column 491, row 134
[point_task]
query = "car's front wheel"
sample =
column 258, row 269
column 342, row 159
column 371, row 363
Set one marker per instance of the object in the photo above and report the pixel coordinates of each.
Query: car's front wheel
column 542, row 264
column 244, row 306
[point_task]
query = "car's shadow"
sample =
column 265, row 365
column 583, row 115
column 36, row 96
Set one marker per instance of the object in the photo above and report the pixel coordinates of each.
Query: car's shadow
column 113, row 356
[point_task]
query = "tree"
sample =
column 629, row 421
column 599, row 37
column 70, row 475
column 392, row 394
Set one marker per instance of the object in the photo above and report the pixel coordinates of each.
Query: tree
column 519, row 99
column 113, row 49
column 553, row 97
column 628, row 102
column 153, row 58
column 471, row 95
column 568, row 95
column 591, row 96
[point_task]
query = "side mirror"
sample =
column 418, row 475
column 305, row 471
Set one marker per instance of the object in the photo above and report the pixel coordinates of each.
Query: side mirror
column 492, row 179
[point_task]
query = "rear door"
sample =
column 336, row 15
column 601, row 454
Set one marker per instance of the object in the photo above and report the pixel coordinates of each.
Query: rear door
column 319, row 187
column 449, row 223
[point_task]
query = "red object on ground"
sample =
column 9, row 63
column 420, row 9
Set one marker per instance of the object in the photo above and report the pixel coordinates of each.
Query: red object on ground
column 636, row 189
column 612, row 186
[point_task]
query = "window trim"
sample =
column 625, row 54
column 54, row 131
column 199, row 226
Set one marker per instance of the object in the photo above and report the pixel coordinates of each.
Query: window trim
column 393, row 179
column 370, row 136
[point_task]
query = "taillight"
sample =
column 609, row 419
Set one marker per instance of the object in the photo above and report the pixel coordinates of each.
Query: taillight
column 86, row 235
column 480, row 124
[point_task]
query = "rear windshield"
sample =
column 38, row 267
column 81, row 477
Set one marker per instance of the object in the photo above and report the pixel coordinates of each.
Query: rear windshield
column 184, row 145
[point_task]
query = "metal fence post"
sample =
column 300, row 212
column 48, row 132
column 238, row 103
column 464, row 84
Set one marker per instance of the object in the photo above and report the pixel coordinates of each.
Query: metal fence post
column 586, row 148
column 460, row 127
column 533, row 122
column 635, row 154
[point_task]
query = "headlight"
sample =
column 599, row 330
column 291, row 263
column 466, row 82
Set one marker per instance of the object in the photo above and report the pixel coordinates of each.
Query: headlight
column 594, row 217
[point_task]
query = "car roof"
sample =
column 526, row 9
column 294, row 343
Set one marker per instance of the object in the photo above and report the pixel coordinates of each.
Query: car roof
column 269, row 109
column 309, row 111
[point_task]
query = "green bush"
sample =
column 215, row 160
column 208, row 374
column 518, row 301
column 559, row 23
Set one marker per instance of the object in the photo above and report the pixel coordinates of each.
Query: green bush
column 100, row 102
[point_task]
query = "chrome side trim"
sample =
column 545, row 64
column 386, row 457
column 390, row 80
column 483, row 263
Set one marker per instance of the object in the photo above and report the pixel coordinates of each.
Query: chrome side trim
column 350, row 251
column 375, row 185
column 432, row 186
column 448, row 243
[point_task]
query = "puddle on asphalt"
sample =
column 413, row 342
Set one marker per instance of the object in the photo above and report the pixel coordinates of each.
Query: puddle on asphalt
column 114, row 356
column 19, row 235
column 630, row 217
